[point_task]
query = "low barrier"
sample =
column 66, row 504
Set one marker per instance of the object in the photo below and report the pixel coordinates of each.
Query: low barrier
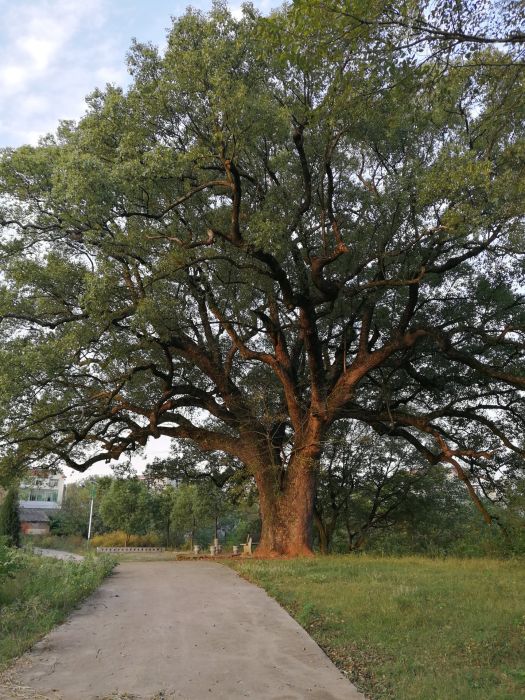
column 125, row 550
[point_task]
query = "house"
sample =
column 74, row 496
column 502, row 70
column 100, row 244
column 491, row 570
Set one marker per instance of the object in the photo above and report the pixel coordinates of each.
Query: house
column 34, row 521
column 42, row 490
column 40, row 496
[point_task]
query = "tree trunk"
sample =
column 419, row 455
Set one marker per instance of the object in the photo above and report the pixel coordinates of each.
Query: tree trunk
column 355, row 539
column 324, row 540
column 287, row 511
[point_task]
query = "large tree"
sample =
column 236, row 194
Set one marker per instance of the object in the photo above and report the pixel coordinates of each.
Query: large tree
column 266, row 233
column 446, row 27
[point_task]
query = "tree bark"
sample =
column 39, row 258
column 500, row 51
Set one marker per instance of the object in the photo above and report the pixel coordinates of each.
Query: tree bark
column 287, row 510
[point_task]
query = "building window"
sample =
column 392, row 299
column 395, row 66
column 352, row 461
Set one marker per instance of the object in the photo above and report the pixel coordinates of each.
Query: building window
column 44, row 496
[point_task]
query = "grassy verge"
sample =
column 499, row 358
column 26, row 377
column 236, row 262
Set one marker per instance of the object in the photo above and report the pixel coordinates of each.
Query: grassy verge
column 41, row 594
column 410, row 628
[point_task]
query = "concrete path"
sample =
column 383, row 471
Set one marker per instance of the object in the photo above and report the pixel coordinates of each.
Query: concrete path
column 57, row 554
column 166, row 630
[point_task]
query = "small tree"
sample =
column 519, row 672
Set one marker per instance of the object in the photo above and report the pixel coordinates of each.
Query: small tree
column 214, row 503
column 126, row 505
column 224, row 488
column 189, row 510
column 162, row 512
column 9, row 518
column 73, row 516
column 364, row 484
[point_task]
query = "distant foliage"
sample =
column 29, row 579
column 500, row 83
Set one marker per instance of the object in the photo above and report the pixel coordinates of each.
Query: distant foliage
column 126, row 506
column 121, row 539
column 439, row 520
column 10, row 519
column 65, row 543
column 73, row 517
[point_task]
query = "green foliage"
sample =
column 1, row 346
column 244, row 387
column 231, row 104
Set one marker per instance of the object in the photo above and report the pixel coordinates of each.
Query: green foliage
column 65, row 543
column 411, row 628
column 440, row 520
column 9, row 518
column 377, row 495
column 73, row 516
column 162, row 502
column 512, row 518
column 224, row 494
column 123, row 539
column 9, row 560
column 126, row 506
column 189, row 510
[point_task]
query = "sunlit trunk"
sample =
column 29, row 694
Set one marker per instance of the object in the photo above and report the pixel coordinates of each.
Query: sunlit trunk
column 287, row 511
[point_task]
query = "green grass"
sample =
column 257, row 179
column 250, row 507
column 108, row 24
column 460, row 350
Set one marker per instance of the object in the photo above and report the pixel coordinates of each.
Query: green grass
column 410, row 628
column 64, row 543
column 41, row 594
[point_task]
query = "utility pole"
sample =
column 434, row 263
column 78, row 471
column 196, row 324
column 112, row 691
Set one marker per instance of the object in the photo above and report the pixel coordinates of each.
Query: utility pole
column 93, row 491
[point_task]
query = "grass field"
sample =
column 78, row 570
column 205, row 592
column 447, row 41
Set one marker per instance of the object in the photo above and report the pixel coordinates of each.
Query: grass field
column 41, row 594
column 410, row 628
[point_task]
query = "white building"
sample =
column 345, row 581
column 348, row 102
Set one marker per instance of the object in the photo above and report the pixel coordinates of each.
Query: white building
column 42, row 490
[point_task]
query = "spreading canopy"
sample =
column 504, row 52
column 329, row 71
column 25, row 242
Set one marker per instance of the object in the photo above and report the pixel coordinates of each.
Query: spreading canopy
column 248, row 245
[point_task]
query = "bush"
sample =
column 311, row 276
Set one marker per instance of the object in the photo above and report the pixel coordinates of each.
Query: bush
column 69, row 543
column 9, row 560
column 118, row 539
column 9, row 519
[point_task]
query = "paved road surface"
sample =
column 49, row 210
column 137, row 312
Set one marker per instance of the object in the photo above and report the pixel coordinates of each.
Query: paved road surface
column 166, row 630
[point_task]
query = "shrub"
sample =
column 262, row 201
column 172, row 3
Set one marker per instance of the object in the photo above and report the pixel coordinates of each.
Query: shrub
column 118, row 539
column 67, row 543
column 9, row 519
column 9, row 560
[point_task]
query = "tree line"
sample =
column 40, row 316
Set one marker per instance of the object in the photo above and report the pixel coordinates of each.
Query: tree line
column 171, row 516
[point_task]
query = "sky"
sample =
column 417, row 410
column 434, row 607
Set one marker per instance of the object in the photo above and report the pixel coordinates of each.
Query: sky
column 55, row 52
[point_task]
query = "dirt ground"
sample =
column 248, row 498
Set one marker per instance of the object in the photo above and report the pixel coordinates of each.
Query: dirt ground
column 166, row 630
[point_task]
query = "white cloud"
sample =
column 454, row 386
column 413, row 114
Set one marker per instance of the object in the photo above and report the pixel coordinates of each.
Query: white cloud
column 40, row 52
column 54, row 52
column 11, row 77
column 36, row 36
column 49, row 55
